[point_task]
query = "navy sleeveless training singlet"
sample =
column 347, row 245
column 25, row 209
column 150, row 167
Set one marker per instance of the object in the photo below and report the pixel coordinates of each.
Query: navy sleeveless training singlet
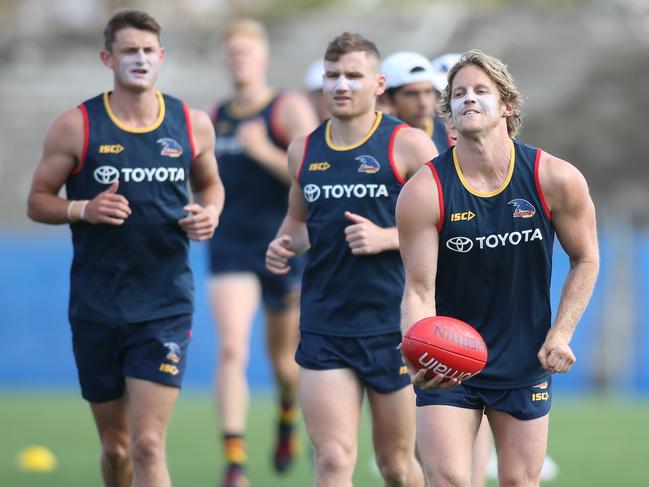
column 345, row 294
column 495, row 264
column 139, row 270
column 256, row 199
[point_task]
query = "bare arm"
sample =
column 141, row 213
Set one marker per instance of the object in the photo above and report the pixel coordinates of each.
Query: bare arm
column 292, row 237
column 417, row 217
column 573, row 216
column 418, row 212
column 296, row 118
column 205, row 182
column 61, row 155
column 412, row 149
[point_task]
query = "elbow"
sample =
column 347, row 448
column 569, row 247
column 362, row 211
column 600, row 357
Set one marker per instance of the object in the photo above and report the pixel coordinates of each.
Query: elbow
column 32, row 214
column 35, row 209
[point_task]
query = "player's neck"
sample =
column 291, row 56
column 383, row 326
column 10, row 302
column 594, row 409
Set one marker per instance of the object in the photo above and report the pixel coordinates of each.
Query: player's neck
column 251, row 96
column 135, row 109
column 484, row 159
column 349, row 131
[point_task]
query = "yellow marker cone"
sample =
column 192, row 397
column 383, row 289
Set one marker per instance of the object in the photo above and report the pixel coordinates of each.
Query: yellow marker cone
column 36, row 458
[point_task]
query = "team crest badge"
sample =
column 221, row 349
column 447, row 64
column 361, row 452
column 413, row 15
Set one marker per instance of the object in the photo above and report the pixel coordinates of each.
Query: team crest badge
column 174, row 355
column 369, row 165
column 170, row 147
column 522, row 208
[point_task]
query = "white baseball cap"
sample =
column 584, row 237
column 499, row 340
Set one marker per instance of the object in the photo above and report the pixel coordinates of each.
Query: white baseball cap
column 402, row 68
column 441, row 66
column 313, row 76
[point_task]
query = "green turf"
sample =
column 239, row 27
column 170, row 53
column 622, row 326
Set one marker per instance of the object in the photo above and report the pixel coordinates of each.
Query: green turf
column 595, row 441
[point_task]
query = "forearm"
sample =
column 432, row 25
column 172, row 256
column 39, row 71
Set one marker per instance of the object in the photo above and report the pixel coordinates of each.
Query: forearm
column 48, row 208
column 274, row 160
column 297, row 230
column 417, row 303
column 212, row 196
column 575, row 296
column 391, row 236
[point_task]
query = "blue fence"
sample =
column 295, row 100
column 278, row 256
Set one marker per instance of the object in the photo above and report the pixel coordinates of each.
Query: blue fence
column 36, row 339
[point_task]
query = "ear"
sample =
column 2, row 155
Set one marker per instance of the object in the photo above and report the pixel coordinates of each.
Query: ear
column 380, row 84
column 509, row 111
column 106, row 58
column 162, row 54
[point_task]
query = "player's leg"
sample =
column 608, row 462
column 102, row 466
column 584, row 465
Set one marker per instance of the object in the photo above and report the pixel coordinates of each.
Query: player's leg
column 96, row 351
column 331, row 405
column 392, row 401
column 149, row 408
column 116, row 466
column 482, row 451
column 234, row 298
column 393, row 433
column 445, row 439
column 282, row 336
column 281, row 299
column 521, row 446
column 155, row 358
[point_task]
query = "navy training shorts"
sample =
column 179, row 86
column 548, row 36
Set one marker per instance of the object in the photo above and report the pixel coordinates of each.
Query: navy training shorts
column 375, row 359
column 107, row 353
column 523, row 403
column 278, row 293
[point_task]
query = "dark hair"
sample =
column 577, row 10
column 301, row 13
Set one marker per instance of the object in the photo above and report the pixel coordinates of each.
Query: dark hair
column 346, row 43
column 129, row 18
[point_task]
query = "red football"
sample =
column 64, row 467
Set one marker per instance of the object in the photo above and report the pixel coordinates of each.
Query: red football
column 445, row 345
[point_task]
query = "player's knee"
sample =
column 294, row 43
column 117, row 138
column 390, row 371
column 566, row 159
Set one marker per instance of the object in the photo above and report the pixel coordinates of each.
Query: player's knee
column 333, row 457
column 115, row 453
column 448, row 477
column 395, row 469
column 233, row 353
column 286, row 368
column 519, row 478
column 148, row 451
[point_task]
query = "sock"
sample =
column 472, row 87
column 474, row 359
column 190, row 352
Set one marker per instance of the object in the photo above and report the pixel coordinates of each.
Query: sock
column 288, row 413
column 235, row 448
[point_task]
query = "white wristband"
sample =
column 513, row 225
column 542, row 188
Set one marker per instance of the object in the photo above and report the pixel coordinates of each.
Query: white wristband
column 69, row 212
column 82, row 215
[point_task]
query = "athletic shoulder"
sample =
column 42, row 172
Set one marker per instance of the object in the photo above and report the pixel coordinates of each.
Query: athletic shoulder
column 412, row 149
column 419, row 198
column 199, row 119
column 292, row 99
column 202, row 130
column 296, row 151
column 562, row 184
column 66, row 132
column 295, row 114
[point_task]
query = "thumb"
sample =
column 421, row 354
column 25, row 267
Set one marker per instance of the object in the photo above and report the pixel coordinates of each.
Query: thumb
column 286, row 241
column 113, row 187
column 193, row 208
column 353, row 217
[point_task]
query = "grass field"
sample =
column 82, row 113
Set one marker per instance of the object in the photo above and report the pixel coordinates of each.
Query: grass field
column 595, row 441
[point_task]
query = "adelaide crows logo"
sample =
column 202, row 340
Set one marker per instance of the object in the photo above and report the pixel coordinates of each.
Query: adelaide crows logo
column 170, row 147
column 174, row 354
column 369, row 165
column 522, row 208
